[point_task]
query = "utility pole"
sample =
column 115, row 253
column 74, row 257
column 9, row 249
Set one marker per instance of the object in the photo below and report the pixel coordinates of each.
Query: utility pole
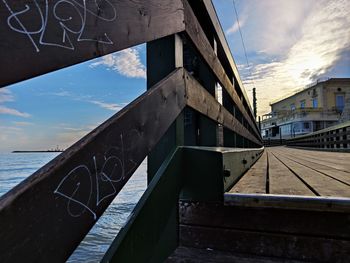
column 254, row 102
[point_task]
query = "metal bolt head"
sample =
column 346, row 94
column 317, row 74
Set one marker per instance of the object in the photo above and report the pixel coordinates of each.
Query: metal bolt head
column 227, row 173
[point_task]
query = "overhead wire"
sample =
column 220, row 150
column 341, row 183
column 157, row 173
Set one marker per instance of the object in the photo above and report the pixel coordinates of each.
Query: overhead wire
column 243, row 44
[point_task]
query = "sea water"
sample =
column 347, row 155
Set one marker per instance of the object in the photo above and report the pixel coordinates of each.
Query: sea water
column 15, row 167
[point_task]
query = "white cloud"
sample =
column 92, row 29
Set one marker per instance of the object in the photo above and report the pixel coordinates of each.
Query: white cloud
column 5, row 95
column 108, row 106
column 11, row 137
column 22, row 123
column 274, row 26
column 126, row 62
column 87, row 98
column 323, row 40
column 66, row 134
column 235, row 27
column 14, row 112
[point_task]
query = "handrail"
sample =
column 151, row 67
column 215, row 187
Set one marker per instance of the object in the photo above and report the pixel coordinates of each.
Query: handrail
column 197, row 35
column 226, row 57
column 334, row 137
column 73, row 190
column 95, row 29
column 85, row 184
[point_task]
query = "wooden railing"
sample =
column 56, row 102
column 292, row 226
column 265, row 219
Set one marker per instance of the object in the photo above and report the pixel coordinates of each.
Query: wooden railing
column 335, row 137
column 46, row 216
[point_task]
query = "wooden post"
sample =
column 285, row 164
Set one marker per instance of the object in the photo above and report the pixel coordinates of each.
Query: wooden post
column 199, row 130
column 163, row 56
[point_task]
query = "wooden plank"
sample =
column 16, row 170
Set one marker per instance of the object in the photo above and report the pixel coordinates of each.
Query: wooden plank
column 280, row 220
column 296, row 202
column 57, row 205
column 202, row 101
column 339, row 175
column 254, row 180
column 322, row 184
column 338, row 157
column 225, row 47
column 332, row 157
column 338, row 161
column 151, row 232
column 283, row 181
column 315, row 249
column 36, row 36
column 164, row 56
column 195, row 255
column 197, row 35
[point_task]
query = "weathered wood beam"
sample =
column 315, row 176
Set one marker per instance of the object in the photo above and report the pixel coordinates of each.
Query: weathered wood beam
column 42, row 36
column 201, row 100
column 72, row 191
column 199, row 39
column 224, row 45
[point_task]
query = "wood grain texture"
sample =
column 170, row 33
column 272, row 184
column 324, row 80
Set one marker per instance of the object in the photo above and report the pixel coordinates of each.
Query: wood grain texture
column 266, row 244
column 197, row 35
column 283, row 181
column 74, row 189
column 38, row 40
column 195, row 255
column 320, row 166
column 335, row 160
column 282, row 221
column 254, row 180
column 202, row 101
column 322, row 184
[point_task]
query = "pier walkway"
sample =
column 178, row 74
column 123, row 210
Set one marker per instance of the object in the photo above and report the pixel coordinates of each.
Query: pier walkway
column 292, row 205
column 291, row 171
column 214, row 193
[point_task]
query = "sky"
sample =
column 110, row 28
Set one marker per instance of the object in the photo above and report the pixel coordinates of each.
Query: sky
column 289, row 44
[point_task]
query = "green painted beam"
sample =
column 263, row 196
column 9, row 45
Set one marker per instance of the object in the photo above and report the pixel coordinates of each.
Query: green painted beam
column 151, row 232
column 189, row 173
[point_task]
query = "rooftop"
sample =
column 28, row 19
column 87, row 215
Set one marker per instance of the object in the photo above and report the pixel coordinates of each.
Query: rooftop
column 309, row 86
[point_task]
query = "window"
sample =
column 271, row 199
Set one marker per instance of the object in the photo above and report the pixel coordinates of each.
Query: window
column 306, row 125
column 339, row 102
column 296, row 127
column 302, row 104
column 315, row 103
column 292, row 106
column 286, row 129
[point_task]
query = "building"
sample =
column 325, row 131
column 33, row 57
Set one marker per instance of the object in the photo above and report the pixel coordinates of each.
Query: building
column 319, row 105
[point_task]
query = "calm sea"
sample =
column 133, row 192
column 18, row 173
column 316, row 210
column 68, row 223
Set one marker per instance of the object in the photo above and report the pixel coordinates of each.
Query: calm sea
column 14, row 167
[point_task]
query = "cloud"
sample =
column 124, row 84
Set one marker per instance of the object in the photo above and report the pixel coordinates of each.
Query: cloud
column 14, row 112
column 87, row 98
column 10, row 136
column 273, row 26
column 235, row 27
column 66, row 134
column 126, row 62
column 22, row 123
column 322, row 44
column 5, row 95
column 108, row 106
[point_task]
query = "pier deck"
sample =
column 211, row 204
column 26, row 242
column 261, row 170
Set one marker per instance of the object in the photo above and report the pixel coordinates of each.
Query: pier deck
column 291, row 206
column 290, row 171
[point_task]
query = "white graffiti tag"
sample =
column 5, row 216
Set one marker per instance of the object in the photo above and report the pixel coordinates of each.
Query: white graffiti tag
column 72, row 22
column 80, row 185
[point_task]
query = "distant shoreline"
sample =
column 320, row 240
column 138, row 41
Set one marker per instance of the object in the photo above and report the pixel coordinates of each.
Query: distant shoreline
column 48, row 151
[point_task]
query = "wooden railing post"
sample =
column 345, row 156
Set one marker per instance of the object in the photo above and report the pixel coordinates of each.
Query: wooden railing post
column 163, row 56
column 199, row 130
